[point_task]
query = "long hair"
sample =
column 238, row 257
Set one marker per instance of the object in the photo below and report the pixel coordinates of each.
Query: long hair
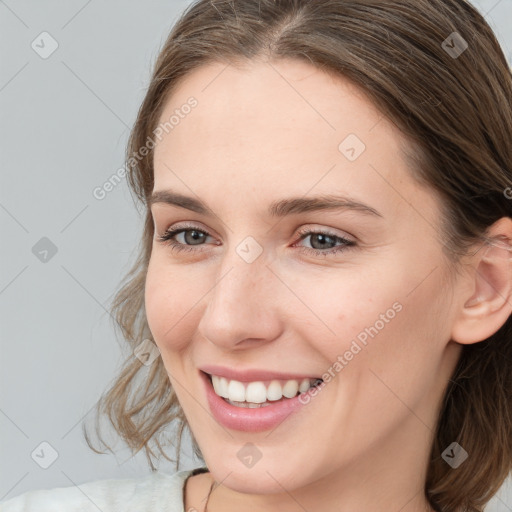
column 435, row 68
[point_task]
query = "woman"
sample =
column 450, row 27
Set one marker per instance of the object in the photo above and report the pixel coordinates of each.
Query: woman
column 340, row 338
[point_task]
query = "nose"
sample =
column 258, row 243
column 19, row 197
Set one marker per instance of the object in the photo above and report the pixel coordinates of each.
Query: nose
column 243, row 307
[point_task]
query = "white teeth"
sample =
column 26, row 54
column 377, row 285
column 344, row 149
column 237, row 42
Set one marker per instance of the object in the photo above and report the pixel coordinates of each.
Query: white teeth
column 248, row 405
column 290, row 388
column 255, row 393
column 304, row 385
column 275, row 390
column 216, row 386
column 236, row 391
column 222, row 384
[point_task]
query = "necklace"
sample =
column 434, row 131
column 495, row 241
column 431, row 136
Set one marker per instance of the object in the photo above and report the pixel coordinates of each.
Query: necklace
column 208, row 497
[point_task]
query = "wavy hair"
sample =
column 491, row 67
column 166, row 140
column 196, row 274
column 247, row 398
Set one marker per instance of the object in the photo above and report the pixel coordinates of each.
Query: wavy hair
column 455, row 111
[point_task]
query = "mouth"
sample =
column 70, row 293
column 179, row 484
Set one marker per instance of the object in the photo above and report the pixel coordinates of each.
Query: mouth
column 259, row 393
column 255, row 406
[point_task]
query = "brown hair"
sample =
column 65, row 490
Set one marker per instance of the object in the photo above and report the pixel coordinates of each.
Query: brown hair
column 456, row 112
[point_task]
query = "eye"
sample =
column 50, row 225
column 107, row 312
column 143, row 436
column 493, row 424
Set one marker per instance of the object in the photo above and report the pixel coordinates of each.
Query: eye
column 193, row 236
column 322, row 239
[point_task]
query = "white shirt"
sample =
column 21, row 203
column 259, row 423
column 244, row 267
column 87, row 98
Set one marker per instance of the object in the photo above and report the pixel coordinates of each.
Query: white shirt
column 157, row 492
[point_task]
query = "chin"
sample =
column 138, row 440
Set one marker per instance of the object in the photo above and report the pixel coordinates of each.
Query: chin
column 262, row 478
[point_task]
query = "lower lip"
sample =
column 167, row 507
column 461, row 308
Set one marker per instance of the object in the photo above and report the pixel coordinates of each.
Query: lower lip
column 246, row 419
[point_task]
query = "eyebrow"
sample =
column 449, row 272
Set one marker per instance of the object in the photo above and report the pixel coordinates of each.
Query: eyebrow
column 280, row 208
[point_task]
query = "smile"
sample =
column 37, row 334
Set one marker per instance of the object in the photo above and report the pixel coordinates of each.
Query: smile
column 255, row 405
column 259, row 393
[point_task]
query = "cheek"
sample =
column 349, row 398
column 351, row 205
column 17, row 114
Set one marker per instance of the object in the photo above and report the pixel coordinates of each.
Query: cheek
column 403, row 347
column 373, row 321
column 335, row 309
column 169, row 303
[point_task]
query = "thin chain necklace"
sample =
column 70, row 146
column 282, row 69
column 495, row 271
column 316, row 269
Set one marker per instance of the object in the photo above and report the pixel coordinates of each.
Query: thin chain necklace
column 208, row 497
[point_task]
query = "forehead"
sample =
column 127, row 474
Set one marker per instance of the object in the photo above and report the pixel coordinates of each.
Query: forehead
column 280, row 126
column 276, row 105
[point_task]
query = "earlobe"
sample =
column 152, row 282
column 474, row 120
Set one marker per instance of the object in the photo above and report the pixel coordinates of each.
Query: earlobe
column 489, row 306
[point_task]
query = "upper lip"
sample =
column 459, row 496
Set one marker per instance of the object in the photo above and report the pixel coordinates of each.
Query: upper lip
column 253, row 374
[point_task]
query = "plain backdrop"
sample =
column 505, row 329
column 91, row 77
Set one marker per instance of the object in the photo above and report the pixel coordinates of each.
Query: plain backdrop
column 64, row 123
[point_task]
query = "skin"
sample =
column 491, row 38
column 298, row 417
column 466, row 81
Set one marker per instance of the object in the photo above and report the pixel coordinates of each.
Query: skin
column 262, row 133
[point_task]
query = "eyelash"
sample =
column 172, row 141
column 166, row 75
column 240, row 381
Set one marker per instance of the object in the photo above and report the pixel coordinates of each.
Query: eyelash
column 167, row 239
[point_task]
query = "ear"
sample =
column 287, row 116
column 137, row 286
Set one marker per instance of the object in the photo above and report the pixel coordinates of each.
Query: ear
column 487, row 307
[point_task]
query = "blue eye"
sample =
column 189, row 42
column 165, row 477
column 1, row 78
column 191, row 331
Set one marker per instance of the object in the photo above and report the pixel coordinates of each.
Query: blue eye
column 194, row 234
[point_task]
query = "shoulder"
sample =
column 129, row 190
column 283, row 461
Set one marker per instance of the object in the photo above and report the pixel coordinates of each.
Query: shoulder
column 161, row 491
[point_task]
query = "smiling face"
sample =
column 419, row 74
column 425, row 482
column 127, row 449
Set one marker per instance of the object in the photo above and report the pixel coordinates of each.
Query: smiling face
column 358, row 292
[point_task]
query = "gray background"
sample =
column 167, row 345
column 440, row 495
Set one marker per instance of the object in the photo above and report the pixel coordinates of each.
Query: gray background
column 64, row 125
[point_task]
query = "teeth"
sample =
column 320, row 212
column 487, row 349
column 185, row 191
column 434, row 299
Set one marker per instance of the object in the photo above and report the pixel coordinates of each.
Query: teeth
column 223, row 387
column 248, row 405
column 290, row 388
column 275, row 391
column 304, row 385
column 236, row 391
column 255, row 393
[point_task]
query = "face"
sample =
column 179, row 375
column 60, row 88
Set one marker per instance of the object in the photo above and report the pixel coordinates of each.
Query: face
column 355, row 293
